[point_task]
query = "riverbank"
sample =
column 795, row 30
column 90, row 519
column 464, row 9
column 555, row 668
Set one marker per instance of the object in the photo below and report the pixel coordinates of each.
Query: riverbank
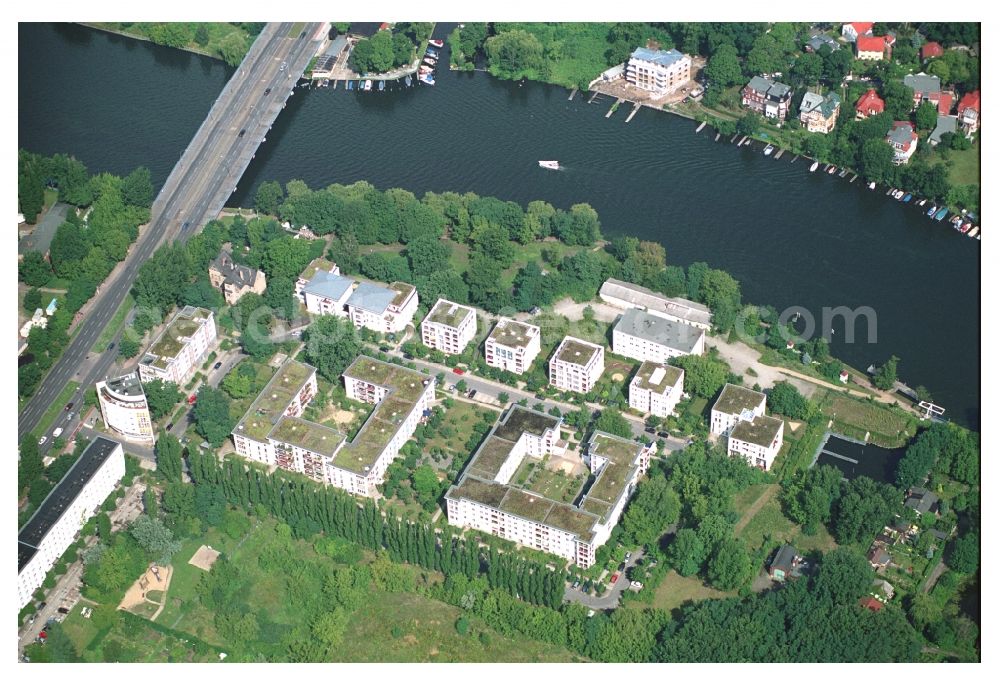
column 216, row 47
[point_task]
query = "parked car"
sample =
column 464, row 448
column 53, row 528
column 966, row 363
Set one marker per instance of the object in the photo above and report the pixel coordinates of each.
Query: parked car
column 111, row 345
column 628, row 554
column 170, row 426
column 192, row 398
column 576, row 584
column 587, row 585
column 63, row 610
column 637, row 585
column 458, row 370
column 69, row 406
column 614, row 578
column 42, row 440
column 218, row 365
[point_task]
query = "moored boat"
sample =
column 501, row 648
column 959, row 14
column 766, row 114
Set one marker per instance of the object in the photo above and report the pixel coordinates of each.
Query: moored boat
column 814, row 167
column 427, row 78
column 941, row 213
column 368, row 84
column 548, row 164
column 350, row 85
column 437, row 43
column 832, row 170
column 408, row 81
column 769, row 149
column 381, row 85
column 974, row 232
column 907, row 197
column 871, row 186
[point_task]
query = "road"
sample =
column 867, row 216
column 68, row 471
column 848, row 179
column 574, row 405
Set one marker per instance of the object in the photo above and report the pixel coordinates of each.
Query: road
column 612, row 596
column 196, row 189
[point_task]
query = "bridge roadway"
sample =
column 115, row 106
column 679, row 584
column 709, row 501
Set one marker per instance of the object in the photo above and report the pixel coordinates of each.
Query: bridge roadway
column 193, row 194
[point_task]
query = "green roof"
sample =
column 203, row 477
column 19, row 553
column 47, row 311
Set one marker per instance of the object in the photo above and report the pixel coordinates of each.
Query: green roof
column 402, row 290
column 513, row 334
column 596, row 507
column 649, row 370
column 319, row 264
column 576, row 351
column 734, row 399
column 449, row 313
column 315, row 438
column 490, row 457
column 761, row 431
column 571, row 519
column 170, row 342
column 519, row 420
column 272, row 402
column 526, row 504
column 615, row 448
column 405, row 388
column 488, row 493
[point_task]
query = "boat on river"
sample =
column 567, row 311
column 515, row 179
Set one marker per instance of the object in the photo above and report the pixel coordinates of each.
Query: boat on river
column 941, row 213
column 427, row 78
column 548, row 164
column 871, row 186
column 832, row 169
column 408, row 81
column 907, row 197
column 368, row 84
column 814, row 167
column 350, row 85
column 769, row 149
column 381, row 85
column 436, row 42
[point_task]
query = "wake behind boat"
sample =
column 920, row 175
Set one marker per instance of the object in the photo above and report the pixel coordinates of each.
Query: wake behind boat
column 548, row 164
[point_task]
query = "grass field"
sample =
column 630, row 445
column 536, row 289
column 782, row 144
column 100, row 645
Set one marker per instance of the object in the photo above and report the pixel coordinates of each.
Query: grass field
column 742, row 501
column 889, row 428
column 114, row 325
column 821, row 541
column 56, row 407
column 675, row 590
column 769, row 520
column 966, row 167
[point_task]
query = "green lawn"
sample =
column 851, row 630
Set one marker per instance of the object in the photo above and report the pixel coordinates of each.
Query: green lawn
column 742, row 501
column 889, row 428
column 460, row 419
column 966, row 167
column 675, row 590
column 769, row 520
column 57, row 406
column 821, row 541
column 114, row 325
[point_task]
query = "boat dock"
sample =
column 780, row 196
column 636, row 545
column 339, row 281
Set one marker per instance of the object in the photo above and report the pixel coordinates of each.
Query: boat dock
column 734, row 137
column 631, row 114
column 780, row 153
column 592, row 97
column 717, row 137
column 741, row 140
column 853, row 179
column 614, row 107
column 795, row 158
column 572, row 93
column 700, row 127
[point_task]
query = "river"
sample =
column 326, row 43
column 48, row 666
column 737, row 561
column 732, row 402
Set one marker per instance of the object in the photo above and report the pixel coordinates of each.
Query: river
column 789, row 237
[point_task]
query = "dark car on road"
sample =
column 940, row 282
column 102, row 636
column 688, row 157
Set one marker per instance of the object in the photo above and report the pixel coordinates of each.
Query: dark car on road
column 111, row 345
column 217, row 365
column 170, row 426
column 69, row 406
column 267, row 91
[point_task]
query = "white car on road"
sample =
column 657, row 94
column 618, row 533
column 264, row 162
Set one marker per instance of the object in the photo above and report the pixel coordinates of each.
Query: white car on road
column 57, row 432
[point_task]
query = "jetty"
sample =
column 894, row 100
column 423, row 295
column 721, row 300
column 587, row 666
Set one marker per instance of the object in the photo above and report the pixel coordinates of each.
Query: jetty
column 853, row 178
column 780, row 153
column 741, row 140
column 592, row 98
column 794, row 159
column 614, row 107
column 631, row 114
column 572, row 93
column 734, row 137
column 717, row 137
column 700, row 127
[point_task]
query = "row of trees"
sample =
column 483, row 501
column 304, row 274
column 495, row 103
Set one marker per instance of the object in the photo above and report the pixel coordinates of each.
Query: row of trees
column 388, row 49
column 310, row 509
column 83, row 251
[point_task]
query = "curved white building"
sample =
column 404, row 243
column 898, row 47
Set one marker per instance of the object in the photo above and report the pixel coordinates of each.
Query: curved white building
column 124, row 407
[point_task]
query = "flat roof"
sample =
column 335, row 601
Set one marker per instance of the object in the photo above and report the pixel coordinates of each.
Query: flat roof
column 60, row 498
column 402, row 292
column 172, row 339
column 270, row 405
column 663, row 58
column 734, row 399
column 513, row 334
column 519, row 420
column 320, row 264
column 575, row 351
column 371, row 297
column 640, row 296
column 449, row 313
column 657, row 377
column 327, row 285
column 489, row 458
column 316, row 438
column 405, row 387
column 128, row 385
column 617, row 473
column 666, row 332
column 761, row 431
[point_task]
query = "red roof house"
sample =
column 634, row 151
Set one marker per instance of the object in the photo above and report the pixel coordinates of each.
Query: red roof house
column 870, row 603
column 869, row 105
column 968, row 112
column 873, row 47
column 854, row 29
column 932, row 49
column 944, row 102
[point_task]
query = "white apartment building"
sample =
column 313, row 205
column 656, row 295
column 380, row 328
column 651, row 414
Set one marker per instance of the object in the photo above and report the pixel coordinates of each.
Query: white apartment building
column 320, row 264
column 735, row 403
column 180, row 347
column 273, row 432
column 124, row 407
column 642, row 336
column 624, row 295
column 513, row 345
column 656, row 389
column 327, row 293
column 757, row 440
column 61, row 516
column 485, row 500
column 448, row 327
column 658, row 71
column 382, row 309
column 401, row 396
column 576, row 365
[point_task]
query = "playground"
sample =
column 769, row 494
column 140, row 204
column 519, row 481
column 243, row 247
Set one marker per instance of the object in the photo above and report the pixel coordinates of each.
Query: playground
column 147, row 595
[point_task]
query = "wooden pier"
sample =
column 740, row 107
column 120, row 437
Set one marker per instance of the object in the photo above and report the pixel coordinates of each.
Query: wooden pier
column 734, row 137
column 854, row 178
column 794, row 159
column 572, row 93
column 592, row 98
column 614, row 107
column 780, row 153
column 631, row 114
column 741, row 141
column 700, row 127
column 717, row 137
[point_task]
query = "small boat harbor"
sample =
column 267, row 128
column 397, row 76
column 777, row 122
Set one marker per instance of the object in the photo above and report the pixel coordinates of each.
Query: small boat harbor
column 332, row 69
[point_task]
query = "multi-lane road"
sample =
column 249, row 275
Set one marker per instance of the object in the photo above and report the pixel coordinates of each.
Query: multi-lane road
column 193, row 194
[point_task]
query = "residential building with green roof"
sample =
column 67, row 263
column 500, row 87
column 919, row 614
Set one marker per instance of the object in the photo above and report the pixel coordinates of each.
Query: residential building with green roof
column 512, row 345
column 183, row 344
column 576, row 365
column 448, row 327
column 656, row 389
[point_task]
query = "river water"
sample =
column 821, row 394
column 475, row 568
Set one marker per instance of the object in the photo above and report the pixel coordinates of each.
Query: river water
column 790, row 237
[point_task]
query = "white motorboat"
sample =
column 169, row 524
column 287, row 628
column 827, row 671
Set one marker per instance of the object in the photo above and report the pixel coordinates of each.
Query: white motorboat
column 548, row 164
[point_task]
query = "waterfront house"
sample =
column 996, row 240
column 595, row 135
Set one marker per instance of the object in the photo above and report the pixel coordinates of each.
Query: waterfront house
column 235, row 280
column 658, row 71
column 869, row 105
column 767, row 97
column 644, row 336
column 854, row 29
column 903, row 140
column 623, row 295
column 738, row 414
column 819, row 113
column 968, row 113
column 873, row 47
column 931, row 49
column 380, row 308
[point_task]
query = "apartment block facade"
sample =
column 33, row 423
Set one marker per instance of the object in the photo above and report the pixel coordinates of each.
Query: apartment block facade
column 656, row 389
column 576, row 365
column 382, row 309
column 513, row 345
column 124, row 407
column 735, row 403
column 658, row 71
column 448, row 327
column 646, row 337
column 180, row 348
column 63, row 513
